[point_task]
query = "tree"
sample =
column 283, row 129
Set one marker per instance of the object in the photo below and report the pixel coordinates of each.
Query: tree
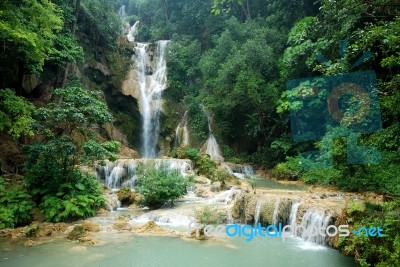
column 27, row 36
column 52, row 169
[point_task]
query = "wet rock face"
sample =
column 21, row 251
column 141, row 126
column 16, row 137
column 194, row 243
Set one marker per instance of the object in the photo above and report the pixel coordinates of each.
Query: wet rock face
column 76, row 233
column 271, row 209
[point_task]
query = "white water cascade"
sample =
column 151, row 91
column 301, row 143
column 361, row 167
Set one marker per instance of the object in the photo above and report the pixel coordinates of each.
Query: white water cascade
column 123, row 172
column 293, row 214
column 133, row 31
column 122, row 13
column 241, row 171
column 146, row 81
column 257, row 212
column 151, row 83
column 315, row 221
column 182, row 132
column 211, row 146
column 276, row 212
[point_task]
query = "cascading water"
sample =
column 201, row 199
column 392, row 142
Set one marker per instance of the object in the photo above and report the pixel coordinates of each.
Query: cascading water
column 315, row 221
column 293, row 214
column 123, row 172
column 122, row 13
column 151, row 84
column 146, row 81
column 276, row 212
column 239, row 170
column 257, row 212
column 211, row 146
column 133, row 31
column 182, row 132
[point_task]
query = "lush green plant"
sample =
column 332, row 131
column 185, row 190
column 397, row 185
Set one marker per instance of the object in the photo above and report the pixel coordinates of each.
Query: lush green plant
column 290, row 169
column 159, row 186
column 230, row 155
column 15, row 205
column 78, row 199
column 205, row 165
column 209, row 215
column 51, row 169
column 15, row 114
column 221, row 176
column 375, row 251
column 29, row 43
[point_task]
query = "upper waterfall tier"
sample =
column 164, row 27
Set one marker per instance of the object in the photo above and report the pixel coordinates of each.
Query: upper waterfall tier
column 152, row 80
column 146, row 80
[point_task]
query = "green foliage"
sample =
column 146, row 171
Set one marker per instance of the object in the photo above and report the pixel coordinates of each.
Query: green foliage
column 184, row 152
column 15, row 114
column 209, row 216
column 80, row 197
column 290, row 169
column 220, row 176
column 66, row 50
column 15, row 205
column 93, row 150
column 159, row 186
column 29, row 36
column 230, row 155
column 51, row 168
column 205, row 165
column 100, row 22
column 375, row 251
column 76, row 108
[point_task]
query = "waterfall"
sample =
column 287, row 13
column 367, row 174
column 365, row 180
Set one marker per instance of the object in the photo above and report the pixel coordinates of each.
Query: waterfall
column 211, row 146
column 133, row 31
column 123, row 172
column 238, row 170
column 182, row 132
column 122, row 13
column 146, row 81
column 112, row 202
column 318, row 220
column 276, row 212
column 257, row 212
column 151, row 84
column 293, row 214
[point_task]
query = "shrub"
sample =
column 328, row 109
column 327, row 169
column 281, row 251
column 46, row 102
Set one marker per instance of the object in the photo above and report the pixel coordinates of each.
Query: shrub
column 205, row 165
column 159, row 186
column 290, row 169
column 322, row 176
column 375, row 251
column 15, row 205
column 80, row 199
column 15, row 114
column 209, row 215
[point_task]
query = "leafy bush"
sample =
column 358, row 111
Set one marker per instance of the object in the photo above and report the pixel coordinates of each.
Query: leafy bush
column 290, row 169
column 205, row 165
column 15, row 114
column 375, row 251
column 15, row 205
column 75, row 200
column 230, row 155
column 209, row 215
column 159, row 186
column 322, row 176
column 221, row 176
